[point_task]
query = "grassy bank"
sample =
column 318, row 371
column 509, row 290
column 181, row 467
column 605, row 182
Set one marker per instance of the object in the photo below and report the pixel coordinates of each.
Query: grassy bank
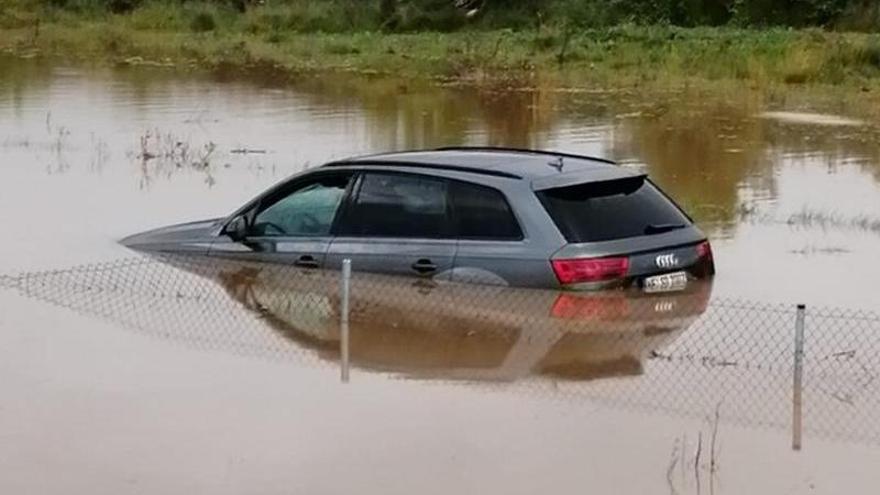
column 218, row 37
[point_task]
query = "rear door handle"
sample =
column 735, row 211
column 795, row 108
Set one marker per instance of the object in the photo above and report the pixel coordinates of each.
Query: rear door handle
column 306, row 261
column 424, row 265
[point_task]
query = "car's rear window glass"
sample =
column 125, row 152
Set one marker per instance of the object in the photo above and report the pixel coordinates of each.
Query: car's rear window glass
column 399, row 205
column 483, row 213
column 609, row 210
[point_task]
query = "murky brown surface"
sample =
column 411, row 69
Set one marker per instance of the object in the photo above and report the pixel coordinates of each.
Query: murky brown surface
column 127, row 376
column 790, row 196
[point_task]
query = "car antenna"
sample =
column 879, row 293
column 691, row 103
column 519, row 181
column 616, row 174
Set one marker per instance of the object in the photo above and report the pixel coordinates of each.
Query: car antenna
column 557, row 164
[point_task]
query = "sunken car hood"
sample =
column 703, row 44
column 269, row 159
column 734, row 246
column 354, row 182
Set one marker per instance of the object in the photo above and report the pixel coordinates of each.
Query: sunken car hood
column 191, row 237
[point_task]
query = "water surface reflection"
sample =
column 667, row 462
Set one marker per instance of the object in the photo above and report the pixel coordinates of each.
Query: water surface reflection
column 675, row 354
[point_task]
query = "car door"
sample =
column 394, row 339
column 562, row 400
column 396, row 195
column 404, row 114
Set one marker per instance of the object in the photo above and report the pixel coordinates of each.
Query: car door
column 396, row 223
column 291, row 225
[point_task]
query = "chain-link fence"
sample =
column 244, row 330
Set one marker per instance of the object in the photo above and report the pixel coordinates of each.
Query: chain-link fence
column 679, row 353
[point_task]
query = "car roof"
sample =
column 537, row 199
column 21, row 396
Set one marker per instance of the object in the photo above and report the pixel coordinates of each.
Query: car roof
column 544, row 169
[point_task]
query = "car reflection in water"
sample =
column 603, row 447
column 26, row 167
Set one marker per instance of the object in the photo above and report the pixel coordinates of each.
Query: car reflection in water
column 426, row 329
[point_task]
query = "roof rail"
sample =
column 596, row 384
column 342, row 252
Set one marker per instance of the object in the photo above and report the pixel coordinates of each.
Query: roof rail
column 528, row 151
column 436, row 166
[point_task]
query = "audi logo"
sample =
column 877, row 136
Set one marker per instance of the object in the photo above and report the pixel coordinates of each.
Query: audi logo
column 666, row 261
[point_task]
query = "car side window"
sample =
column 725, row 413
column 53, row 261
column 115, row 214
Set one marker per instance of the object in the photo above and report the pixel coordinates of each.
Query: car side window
column 399, row 205
column 306, row 211
column 483, row 213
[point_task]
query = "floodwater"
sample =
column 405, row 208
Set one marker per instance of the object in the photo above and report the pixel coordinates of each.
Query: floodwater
column 121, row 374
column 790, row 197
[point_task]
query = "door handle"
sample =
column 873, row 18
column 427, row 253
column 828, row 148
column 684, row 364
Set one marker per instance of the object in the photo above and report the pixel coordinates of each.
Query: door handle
column 424, row 265
column 306, row 261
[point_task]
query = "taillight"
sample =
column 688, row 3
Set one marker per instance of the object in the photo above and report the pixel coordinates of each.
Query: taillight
column 704, row 250
column 705, row 260
column 574, row 271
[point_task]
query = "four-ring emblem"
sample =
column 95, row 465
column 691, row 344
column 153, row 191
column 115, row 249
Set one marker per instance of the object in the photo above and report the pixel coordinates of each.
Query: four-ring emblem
column 666, row 261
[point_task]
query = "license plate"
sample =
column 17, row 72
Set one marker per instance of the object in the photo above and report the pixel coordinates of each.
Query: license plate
column 668, row 282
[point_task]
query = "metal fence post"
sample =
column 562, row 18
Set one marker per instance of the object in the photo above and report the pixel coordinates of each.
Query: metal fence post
column 343, row 341
column 797, row 385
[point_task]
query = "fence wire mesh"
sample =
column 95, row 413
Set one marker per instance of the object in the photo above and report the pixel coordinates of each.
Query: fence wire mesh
column 681, row 353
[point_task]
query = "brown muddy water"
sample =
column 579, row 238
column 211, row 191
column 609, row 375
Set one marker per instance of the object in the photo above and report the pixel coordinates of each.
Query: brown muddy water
column 127, row 375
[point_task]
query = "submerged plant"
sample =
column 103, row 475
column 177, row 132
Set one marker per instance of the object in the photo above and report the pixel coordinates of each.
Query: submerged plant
column 160, row 152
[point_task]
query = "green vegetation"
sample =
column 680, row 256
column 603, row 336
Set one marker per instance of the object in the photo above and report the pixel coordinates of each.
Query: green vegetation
column 574, row 41
column 449, row 15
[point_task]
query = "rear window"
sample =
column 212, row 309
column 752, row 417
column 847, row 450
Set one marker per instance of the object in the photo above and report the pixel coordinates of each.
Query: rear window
column 604, row 211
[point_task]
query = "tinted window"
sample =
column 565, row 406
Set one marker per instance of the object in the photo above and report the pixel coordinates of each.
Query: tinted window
column 399, row 205
column 483, row 213
column 611, row 210
column 307, row 211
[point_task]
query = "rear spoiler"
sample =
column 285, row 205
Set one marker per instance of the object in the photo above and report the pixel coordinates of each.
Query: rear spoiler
column 603, row 174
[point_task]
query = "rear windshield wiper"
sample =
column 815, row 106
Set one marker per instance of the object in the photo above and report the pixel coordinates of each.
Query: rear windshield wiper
column 659, row 228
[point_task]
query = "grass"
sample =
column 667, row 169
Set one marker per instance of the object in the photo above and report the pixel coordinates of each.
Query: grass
column 280, row 40
column 807, row 218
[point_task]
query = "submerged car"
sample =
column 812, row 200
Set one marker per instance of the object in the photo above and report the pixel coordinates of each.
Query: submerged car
column 497, row 216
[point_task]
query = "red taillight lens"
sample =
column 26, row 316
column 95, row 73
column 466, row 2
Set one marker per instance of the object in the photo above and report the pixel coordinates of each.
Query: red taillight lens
column 704, row 250
column 590, row 269
column 706, row 262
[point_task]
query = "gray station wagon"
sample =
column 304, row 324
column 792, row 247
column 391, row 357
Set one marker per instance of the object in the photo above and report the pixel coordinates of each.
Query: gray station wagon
column 480, row 215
